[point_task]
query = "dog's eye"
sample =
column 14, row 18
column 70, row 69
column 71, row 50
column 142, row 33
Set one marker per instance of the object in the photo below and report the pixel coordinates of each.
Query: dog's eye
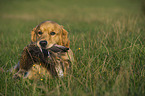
column 52, row 33
column 40, row 33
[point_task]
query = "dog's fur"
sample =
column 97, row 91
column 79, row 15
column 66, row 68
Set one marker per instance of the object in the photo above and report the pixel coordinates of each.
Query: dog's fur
column 52, row 33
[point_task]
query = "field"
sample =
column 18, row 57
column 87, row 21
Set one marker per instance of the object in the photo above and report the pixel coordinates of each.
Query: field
column 107, row 38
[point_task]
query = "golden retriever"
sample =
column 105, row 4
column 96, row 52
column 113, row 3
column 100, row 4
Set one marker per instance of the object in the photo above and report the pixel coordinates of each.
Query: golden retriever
column 45, row 35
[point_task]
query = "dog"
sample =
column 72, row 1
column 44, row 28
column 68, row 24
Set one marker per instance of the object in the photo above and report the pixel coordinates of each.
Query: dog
column 46, row 35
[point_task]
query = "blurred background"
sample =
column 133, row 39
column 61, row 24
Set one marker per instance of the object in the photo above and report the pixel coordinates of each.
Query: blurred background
column 66, row 11
column 76, row 14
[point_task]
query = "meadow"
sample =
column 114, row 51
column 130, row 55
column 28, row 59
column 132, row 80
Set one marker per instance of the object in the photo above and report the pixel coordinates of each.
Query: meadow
column 107, row 38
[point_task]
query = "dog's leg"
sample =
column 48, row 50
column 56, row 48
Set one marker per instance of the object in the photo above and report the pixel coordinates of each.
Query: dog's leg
column 59, row 70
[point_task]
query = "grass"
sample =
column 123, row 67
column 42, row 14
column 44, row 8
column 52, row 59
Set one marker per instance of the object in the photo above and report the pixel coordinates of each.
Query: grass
column 110, row 35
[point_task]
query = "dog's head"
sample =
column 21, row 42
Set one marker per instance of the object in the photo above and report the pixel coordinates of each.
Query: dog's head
column 48, row 33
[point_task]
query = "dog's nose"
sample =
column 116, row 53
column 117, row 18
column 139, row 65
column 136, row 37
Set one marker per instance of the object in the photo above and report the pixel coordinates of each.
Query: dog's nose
column 43, row 43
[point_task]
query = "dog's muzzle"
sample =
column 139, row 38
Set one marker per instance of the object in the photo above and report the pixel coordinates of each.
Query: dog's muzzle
column 43, row 43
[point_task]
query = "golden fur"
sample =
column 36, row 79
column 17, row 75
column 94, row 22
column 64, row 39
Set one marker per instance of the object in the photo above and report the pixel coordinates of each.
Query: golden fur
column 52, row 33
column 42, row 32
column 46, row 28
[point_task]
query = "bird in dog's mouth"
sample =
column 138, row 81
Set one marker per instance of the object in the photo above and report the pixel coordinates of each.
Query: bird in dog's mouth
column 54, row 48
column 45, row 52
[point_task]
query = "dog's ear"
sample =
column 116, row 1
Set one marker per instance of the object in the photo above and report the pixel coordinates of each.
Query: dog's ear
column 33, row 35
column 65, row 40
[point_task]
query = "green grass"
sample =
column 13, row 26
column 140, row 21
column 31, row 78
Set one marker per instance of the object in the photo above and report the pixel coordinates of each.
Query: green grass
column 109, row 33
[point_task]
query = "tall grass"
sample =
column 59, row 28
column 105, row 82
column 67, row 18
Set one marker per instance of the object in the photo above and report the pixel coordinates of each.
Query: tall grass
column 107, row 38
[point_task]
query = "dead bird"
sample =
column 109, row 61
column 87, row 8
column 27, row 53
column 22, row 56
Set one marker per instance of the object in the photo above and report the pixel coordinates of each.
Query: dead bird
column 36, row 62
